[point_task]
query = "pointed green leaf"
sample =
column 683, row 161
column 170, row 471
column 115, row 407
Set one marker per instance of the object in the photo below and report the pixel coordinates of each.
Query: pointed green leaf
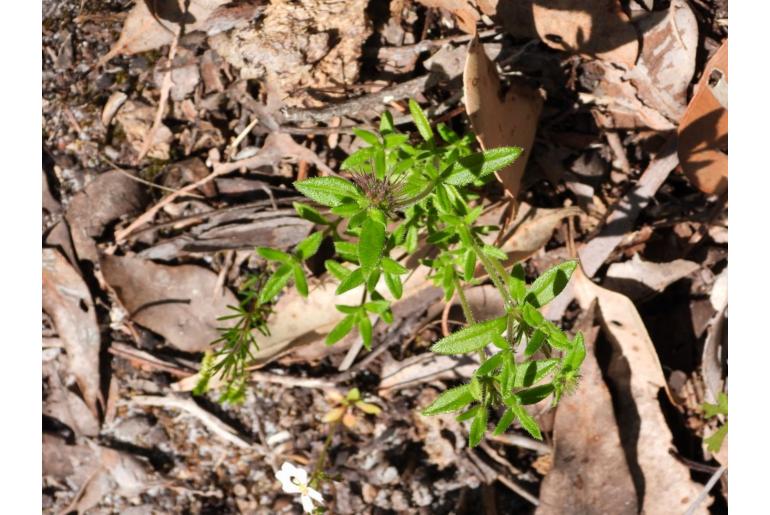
column 276, row 282
column 353, row 280
column 392, row 266
column 534, row 343
column 530, row 372
column 421, row 121
column 535, row 394
column 300, row 281
column 527, row 422
column 309, row 246
column 386, row 122
column 476, row 166
column 340, row 330
column 370, row 245
column 478, row 427
column 367, row 136
column 550, row 284
column 329, row 191
column 471, row 338
column 394, row 285
column 505, row 422
column 336, row 269
column 451, row 400
column 365, row 328
column 309, row 213
column 517, row 283
column 274, row 255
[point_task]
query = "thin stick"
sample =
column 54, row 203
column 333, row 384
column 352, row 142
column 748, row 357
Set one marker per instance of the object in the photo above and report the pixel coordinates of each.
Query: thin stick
column 219, row 169
column 522, row 441
column 706, row 489
column 214, row 424
column 165, row 89
column 142, row 181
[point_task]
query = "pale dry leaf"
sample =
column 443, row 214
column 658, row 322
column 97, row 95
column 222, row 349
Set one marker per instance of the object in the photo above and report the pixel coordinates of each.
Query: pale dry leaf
column 499, row 119
column 713, row 349
column 703, row 130
column 181, row 303
column 637, row 278
column 146, row 29
column 114, row 102
column 638, row 378
column 586, row 445
column 600, row 29
column 67, row 300
column 298, row 321
column 425, row 368
column 530, row 231
column 463, row 10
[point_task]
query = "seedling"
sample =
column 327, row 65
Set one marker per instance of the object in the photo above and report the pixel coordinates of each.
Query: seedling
column 397, row 196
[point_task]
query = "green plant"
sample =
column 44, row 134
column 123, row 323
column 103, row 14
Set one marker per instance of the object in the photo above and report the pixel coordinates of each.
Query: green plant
column 714, row 442
column 400, row 193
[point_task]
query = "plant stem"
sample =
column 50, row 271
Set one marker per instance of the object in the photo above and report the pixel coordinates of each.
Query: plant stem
column 319, row 463
column 492, row 270
column 468, row 312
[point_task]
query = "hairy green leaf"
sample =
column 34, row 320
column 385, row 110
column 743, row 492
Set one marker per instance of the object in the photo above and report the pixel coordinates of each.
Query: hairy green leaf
column 354, row 279
column 451, row 400
column 392, row 266
column 476, row 166
column 550, row 284
column 370, row 245
column 340, row 330
column 421, row 121
column 478, row 427
column 274, row 255
column 527, row 422
column 309, row 213
column 393, row 283
column 329, row 191
column 471, row 338
column 336, row 269
column 275, row 283
column 309, row 246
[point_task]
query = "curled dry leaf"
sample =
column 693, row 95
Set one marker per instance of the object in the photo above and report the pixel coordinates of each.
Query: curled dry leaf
column 598, row 28
column 150, row 25
column 62, row 404
column 67, row 300
column 181, row 303
column 463, row 10
column 638, row 379
column 703, row 129
column 116, row 100
column 104, row 200
column 499, row 119
column 586, row 445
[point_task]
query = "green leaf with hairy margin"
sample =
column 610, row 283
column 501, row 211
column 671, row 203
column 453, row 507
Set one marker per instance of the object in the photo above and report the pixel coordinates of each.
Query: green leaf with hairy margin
column 421, row 121
column 309, row 246
column 505, row 421
column 530, row 372
column 274, row 255
column 340, row 330
column 451, row 400
column 471, row 338
column 534, row 343
column 309, row 213
column 365, row 328
column 300, row 281
column 367, row 136
column 392, row 266
column 353, row 280
column 478, row 427
column 275, row 283
column 535, row 394
column 329, row 191
column 550, row 284
column 476, row 166
column 336, row 269
column 386, row 123
column 393, row 283
column 517, row 283
column 370, row 245
column 527, row 422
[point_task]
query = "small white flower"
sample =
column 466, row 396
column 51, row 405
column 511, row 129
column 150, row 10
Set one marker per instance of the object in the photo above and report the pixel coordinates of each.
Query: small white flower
column 294, row 481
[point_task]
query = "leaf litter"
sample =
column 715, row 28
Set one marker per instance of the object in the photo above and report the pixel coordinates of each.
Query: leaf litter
column 590, row 97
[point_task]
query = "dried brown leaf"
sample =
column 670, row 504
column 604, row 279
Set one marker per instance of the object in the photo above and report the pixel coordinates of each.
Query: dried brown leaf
column 463, row 10
column 703, row 129
column 146, row 29
column 498, row 119
column 181, row 303
column 586, row 445
column 636, row 278
column 598, row 28
column 67, row 300
column 638, row 377
column 104, row 200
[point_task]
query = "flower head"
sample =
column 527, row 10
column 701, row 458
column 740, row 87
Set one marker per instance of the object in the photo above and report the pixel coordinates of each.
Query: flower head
column 343, row 409
column 294, row 480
